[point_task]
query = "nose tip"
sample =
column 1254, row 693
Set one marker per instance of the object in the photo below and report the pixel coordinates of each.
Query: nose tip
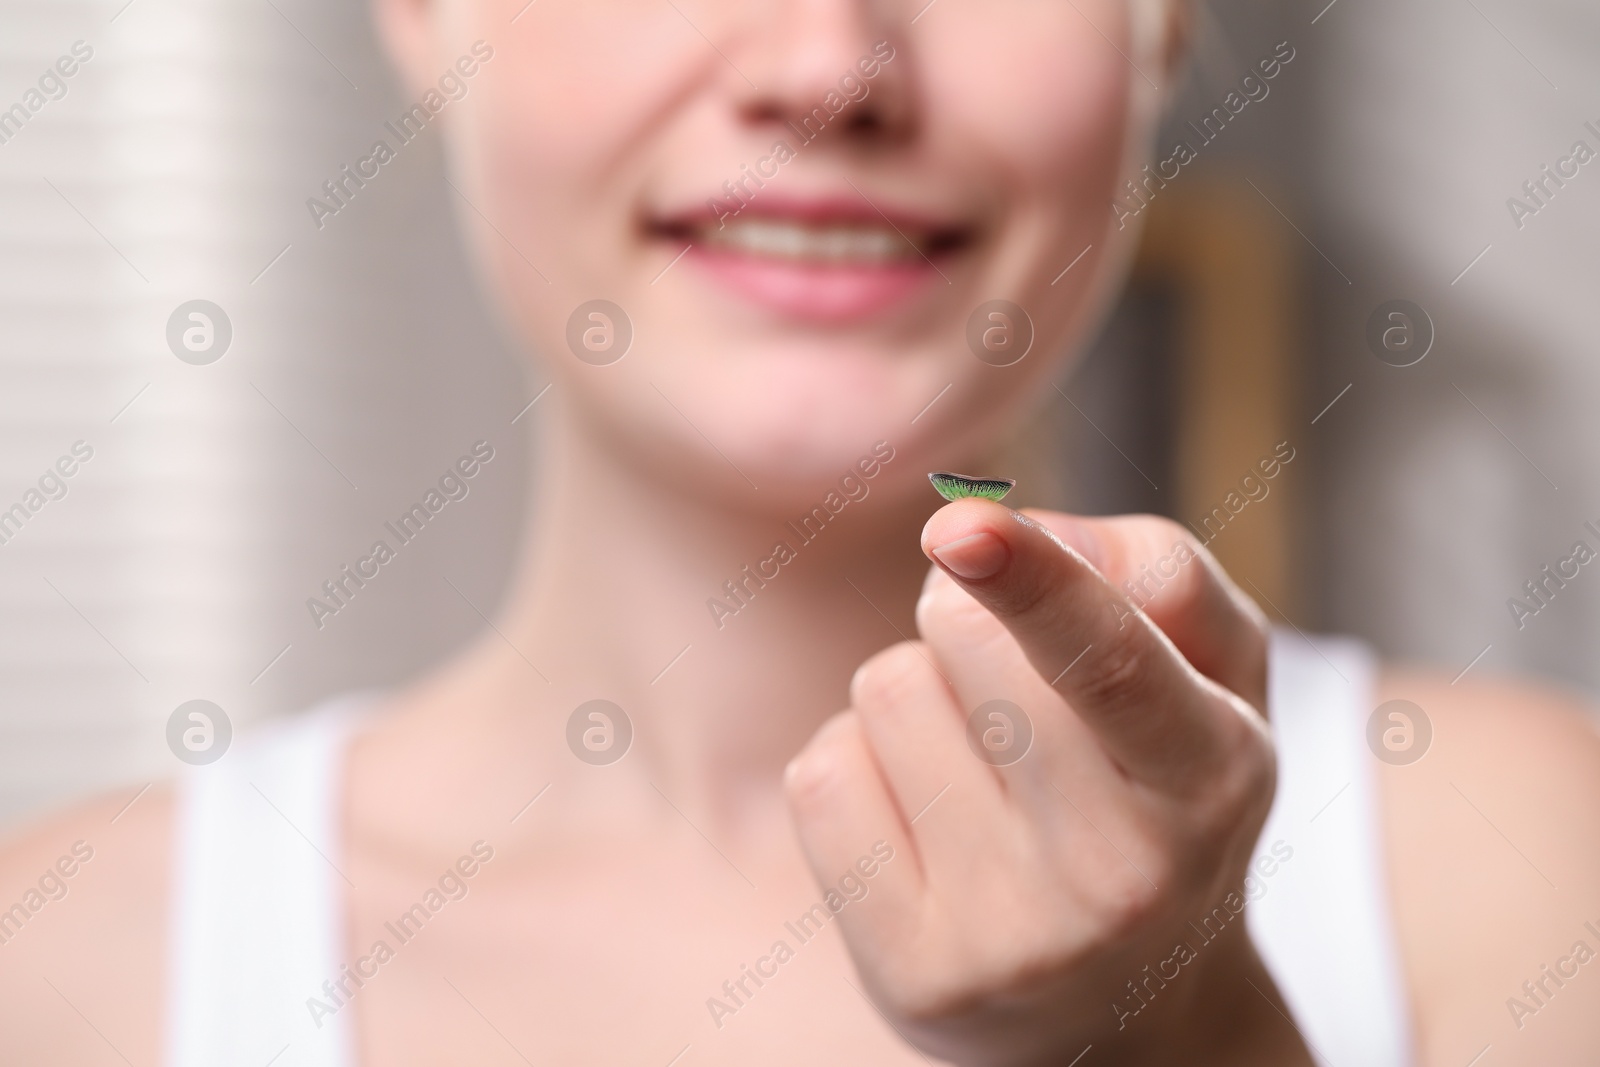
column 823, row 65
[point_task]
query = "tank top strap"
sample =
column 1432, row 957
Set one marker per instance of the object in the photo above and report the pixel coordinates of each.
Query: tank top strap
column 256, row 919
column 1318, row 893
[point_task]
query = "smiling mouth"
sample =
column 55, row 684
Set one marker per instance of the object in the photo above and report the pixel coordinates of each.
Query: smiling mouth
column 818, row 234
column 823, row 261
column 828, row 245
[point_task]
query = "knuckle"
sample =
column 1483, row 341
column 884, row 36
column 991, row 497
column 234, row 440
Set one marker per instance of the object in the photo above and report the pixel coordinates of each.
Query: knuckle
column 1171, row 552
column 1119, row 670
column 1173, row 530
column 1240, row 794
column 1258, row 774
column 928, row 991
column 1249, row 746
column 1260, row 627
column 1254, row 653
column 1131, row 903
column 918, row 997
column 1014, row 599
column 891, row 677
column 947, row 613
column 940, row 598
column 818, row 772
column 1164, row 533
column 810, row 779
column 1255, row 635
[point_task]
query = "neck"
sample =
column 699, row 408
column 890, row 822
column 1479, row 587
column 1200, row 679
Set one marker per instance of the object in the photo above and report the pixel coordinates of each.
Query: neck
column 615, row 597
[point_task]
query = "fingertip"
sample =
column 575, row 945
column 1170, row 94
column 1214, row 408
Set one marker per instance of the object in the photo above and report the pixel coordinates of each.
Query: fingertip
column 974, row 558
column 967, row 538
column 959, row 518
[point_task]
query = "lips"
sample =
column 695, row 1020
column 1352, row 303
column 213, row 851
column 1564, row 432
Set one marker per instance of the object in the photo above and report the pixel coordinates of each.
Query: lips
column 826, row 261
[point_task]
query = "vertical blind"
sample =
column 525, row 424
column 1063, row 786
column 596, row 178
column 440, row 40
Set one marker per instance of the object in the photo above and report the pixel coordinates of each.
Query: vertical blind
column 218, row 496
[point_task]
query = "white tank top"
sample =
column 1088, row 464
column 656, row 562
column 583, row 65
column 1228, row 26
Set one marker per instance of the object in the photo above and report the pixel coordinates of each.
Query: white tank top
column 258, row 898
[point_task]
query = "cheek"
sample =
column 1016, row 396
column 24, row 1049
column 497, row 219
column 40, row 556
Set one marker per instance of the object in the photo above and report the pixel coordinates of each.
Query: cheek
column 547, row 147
column 1046, row 106
column 559, row 117
column 580, row 89
column 1047, row 101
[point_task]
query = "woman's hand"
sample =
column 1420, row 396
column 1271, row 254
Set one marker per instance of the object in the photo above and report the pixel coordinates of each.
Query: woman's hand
column 1031, row 897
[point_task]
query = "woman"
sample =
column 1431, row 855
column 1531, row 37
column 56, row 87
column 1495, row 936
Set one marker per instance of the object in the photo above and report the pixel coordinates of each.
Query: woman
column 798, row 827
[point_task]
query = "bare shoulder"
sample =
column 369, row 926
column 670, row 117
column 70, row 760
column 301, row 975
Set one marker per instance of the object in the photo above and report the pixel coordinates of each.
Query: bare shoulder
column 82, row 932
column 1491, row 841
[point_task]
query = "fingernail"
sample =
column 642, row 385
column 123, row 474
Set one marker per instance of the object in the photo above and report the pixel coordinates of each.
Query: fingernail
column 974, row 558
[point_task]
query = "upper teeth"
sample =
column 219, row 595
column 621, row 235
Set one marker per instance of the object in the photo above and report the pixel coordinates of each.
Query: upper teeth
column 782, row 240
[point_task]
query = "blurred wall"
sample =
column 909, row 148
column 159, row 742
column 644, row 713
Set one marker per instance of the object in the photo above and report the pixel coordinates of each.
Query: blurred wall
column 1451, row 483
column 220, row 497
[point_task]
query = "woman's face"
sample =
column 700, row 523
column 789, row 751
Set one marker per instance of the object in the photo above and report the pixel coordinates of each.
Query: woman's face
column 852, row 182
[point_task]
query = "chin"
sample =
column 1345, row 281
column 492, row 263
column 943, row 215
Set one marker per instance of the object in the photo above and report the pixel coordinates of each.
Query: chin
column 794, row 414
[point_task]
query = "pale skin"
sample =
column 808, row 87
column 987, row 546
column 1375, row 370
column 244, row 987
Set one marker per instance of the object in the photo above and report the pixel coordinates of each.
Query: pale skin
column 828, row 715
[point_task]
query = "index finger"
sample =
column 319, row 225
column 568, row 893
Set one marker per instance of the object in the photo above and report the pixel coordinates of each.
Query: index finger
column 1154, row 713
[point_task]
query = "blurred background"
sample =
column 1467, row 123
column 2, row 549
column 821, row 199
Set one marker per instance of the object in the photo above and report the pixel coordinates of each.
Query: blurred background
column 175, row 162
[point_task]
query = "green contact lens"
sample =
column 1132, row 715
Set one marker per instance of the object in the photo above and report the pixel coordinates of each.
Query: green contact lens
column 957, row 486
